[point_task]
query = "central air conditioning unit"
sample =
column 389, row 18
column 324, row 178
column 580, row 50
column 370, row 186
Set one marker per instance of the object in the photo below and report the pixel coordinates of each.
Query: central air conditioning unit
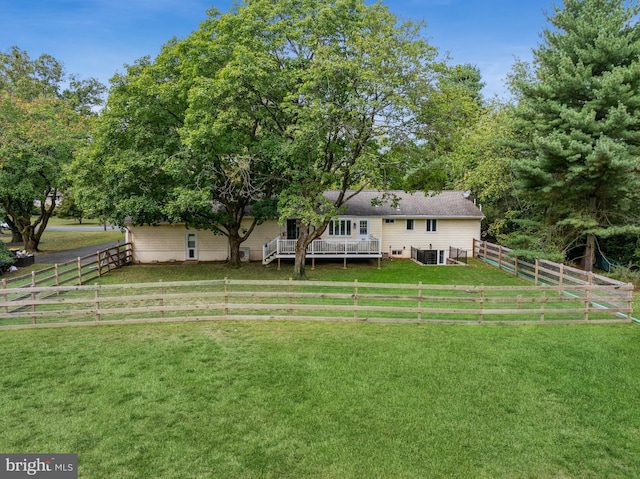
column 244, row 254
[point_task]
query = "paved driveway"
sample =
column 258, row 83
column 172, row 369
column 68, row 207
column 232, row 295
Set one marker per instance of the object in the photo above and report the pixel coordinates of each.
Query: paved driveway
column 72, row 254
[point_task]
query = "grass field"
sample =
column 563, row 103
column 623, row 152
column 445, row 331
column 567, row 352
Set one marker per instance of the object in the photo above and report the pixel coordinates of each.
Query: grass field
column 391, row 271
column 326, row 400
column 53, row 241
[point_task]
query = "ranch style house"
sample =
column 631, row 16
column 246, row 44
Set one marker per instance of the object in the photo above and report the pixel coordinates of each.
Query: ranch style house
column 427, row 227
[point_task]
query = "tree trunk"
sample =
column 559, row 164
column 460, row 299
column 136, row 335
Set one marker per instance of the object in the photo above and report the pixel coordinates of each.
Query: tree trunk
column 234, row 248
column 589, row 257
column 301, row 253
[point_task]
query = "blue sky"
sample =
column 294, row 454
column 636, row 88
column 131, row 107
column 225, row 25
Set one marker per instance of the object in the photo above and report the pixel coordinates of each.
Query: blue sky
column 96, row 38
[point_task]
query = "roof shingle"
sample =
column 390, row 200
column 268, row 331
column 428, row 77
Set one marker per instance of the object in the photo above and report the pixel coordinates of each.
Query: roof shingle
column 445, row 204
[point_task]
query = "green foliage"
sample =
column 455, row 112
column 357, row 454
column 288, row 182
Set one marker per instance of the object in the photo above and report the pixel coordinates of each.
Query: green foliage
column 41, row 126
column 272, row 99
column 480, row 162
column 578, row 120
column 5, row 255
column 626, row 274
column 70, row 209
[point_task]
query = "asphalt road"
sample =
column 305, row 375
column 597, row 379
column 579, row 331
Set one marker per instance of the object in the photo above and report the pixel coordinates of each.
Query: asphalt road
column 72, row 254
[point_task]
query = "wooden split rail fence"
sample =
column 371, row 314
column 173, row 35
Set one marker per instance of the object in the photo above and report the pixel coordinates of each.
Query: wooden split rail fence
column 78, row 271
column 548, row 273
column 540, row 271
column 309, row 300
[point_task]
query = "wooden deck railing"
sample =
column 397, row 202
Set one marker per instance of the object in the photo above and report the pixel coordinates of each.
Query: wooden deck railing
column 320, row 247
column 307, row 300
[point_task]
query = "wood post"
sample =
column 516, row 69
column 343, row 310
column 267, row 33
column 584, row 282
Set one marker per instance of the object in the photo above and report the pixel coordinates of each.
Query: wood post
column 226, row 298
column 587, row 303
column 4, row 286
column 161, row 299
column 480, row 313
column 420, row 300
column 290, row 296
column 355, row 300
column 33, row 297
column 96, row 299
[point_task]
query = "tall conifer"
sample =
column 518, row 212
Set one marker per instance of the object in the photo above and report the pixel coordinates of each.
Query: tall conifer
column 579, row 117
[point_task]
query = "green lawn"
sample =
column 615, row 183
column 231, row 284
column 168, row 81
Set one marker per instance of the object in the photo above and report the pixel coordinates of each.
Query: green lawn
column 391, row 271
column 53, row 241
column 326, row 400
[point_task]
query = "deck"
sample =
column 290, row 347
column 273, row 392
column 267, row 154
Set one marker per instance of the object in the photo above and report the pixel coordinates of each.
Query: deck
column 280, row 248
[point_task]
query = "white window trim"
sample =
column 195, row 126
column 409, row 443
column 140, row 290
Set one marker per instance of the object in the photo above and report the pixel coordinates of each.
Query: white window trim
column 431, row 223
column 344, row 228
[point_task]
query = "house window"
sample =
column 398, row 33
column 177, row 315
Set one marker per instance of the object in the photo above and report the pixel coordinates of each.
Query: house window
column 389, row 221
column 340, row 227
column 432, row 225
column 363, row 228
column 409, row 225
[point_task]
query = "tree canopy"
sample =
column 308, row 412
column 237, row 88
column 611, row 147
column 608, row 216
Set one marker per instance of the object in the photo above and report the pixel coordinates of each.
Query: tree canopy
column 578, row 123
column 271, row 100
column 41, row 125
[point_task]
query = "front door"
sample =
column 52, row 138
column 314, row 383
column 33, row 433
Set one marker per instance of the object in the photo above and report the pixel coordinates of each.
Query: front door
column 293, row 229
column 363, row 229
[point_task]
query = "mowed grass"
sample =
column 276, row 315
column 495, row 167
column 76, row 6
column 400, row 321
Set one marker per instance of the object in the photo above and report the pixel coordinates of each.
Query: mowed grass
column 326, row 400
column 391, row 271
column 53, row 241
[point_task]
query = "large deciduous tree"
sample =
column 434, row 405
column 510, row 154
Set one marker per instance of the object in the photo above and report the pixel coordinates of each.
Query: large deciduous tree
column 171, row 146
column 41, row 125
column 281, row 100
column 579, row 122
column 337, row 84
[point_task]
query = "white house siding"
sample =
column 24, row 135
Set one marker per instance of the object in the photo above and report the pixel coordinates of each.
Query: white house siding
column 457, row 233
column 166, row 243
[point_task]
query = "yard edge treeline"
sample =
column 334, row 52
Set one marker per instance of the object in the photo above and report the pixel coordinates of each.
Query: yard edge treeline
column 44, row 118
column 577, row 126
column 264, row 108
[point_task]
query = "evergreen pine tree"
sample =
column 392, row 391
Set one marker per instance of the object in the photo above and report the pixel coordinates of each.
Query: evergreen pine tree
column 579, row 120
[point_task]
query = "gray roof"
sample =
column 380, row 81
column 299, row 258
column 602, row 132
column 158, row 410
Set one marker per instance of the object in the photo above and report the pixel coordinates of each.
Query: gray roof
column 445, row 204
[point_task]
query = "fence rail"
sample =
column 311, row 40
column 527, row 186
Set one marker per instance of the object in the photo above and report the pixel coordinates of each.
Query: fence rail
column 541, row 272
column 78, row 271
column 41, row 306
